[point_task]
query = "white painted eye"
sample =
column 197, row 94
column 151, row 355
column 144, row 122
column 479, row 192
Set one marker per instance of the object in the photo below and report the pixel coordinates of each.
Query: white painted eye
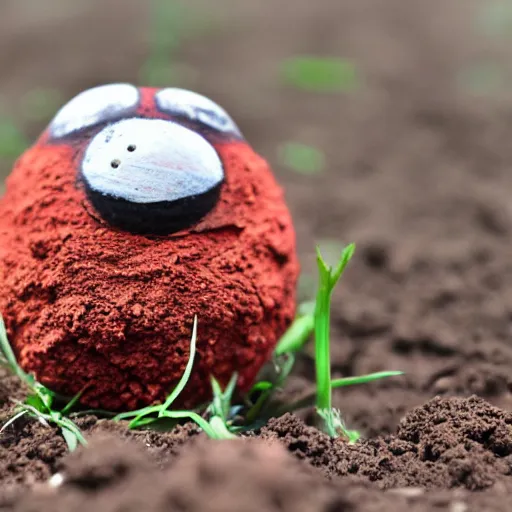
column 97, row 105
column 196, row 107
column 150, row 160
column 151, row 176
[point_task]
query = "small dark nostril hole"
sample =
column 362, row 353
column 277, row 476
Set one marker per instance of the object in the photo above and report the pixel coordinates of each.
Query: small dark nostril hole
column 115, row 164
column 131, row 148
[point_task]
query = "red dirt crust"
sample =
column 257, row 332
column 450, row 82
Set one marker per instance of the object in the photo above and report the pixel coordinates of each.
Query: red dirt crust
column 88, row 306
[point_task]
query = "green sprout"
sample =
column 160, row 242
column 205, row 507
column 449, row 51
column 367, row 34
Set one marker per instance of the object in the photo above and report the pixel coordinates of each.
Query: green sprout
column 171, row 22
column 214, row 428
column 295, row 338
column 329, row 277
column 220, row 419
column 40, row 401
column 302, row 158
column 320, row 74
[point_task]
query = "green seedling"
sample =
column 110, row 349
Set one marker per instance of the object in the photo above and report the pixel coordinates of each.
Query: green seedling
column 171, row 23
column 215, row 427
column 40, row 402
column 320, row 74
column 329, row 277
column 220, row 419
column 302, row 158
column 328, row 280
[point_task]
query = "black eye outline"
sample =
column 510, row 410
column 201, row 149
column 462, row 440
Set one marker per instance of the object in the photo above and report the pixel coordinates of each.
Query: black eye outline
column 107, row 162
column 77, row 116
column 197, row 109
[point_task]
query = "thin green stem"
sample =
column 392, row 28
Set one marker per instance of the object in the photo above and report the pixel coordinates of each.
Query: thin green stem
column 328, row 280
column 322, row 352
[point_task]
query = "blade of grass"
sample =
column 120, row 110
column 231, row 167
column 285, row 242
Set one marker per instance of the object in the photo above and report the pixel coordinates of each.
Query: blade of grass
column 221, row 403
column 140, row 417
column 363, row 379
column 186, row 374
column 13, row 420
column 203, row 424
column 38, row 404
column 320, row 74
column 9, row 357
column 296, row 336
column 328, row 280
column 67, row 408
column 301, row 158
column 220, row 429
column 70, row 438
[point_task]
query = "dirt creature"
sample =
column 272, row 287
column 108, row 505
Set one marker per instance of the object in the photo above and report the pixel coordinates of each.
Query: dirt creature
column 137, row 209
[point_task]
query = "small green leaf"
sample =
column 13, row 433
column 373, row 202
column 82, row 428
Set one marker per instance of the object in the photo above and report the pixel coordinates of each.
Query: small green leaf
column 71, row 403
column 5, row 347
column 138, row 415
column 36, row 402
column 15, row 418
column 8, row 358
column 320, row 74
column 203, row 424
column 263, row 385
column 294, row 339
column 363, row 379
column 220, row 429
column 346, row 256
column 301, row 158
column 335, row 425
column 70, row 439
column 186, row 374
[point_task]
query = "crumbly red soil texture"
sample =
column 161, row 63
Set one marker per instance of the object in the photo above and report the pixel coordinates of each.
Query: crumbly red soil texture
column 90, row 307
column 418, row 175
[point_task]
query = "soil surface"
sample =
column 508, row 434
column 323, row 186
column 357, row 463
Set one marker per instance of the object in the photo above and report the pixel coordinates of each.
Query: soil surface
column 418, row 174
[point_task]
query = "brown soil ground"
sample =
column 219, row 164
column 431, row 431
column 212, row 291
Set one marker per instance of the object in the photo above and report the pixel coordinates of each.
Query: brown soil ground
column 418, row 176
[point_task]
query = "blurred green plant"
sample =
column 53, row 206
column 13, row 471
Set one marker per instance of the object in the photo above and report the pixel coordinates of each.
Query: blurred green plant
column 486, row 78
column 38, row 105
column 41, row 104
column 12, row 141
column 320, row 74
column 171, row 22
column 40, row 402
column 495, row 18
column 301, row 158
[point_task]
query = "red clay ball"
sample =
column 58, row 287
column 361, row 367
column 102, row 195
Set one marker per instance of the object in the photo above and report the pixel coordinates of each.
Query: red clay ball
column 89, row 306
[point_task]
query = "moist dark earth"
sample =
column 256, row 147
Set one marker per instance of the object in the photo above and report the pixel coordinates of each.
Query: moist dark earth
column 418, row 174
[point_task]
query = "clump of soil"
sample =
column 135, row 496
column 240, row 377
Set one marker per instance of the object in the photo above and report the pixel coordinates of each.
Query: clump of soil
column 440, row 453
column 445, row 443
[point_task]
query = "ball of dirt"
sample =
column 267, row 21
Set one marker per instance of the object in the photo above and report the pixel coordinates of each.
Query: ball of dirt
column 137, row 209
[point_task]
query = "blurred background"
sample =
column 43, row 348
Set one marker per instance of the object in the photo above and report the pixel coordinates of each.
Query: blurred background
column 363, row 107
column 388, row 123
